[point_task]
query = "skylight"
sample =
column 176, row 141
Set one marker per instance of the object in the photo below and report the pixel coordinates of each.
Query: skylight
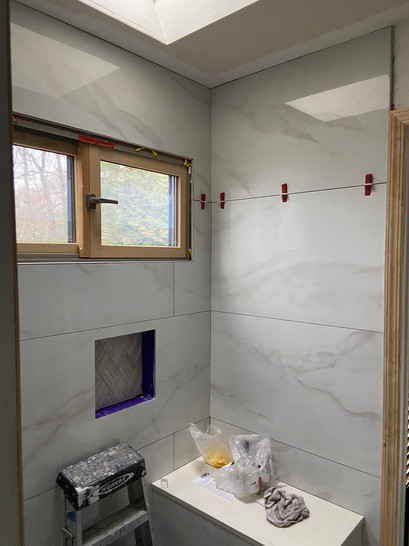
column 167, row 20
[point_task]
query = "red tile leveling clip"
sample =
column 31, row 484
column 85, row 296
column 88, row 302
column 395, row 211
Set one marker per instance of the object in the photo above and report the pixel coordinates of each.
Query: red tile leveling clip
column 284, row 193
column 368, row 184
column 222, row 199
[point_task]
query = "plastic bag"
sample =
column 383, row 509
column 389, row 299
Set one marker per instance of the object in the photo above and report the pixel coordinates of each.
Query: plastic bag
column 252, row 471
column 212, row 445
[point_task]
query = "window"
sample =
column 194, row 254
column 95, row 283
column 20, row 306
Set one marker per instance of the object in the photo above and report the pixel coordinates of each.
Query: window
column 98, row 199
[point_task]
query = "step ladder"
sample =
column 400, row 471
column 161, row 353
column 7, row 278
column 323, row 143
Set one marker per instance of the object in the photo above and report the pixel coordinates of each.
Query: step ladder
column 93, row 479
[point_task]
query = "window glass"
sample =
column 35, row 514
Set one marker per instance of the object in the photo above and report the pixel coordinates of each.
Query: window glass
column 145, row 214
column 43, row 184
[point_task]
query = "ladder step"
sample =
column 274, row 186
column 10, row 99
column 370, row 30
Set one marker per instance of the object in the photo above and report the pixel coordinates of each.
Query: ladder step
column 116, row 525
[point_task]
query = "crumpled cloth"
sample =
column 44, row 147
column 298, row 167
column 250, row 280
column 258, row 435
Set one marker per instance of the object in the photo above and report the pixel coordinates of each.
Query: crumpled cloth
column 284, row 509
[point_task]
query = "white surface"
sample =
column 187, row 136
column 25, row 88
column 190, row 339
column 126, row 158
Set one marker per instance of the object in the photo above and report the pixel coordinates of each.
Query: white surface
column 139, row 102
column 358, row 491
column 328, row 524
column 259, row 142
column 62, row 57
column 297, row 287
column 348, row 100
column 317, row 258
column 58, row 407
column 63, row 298
column 301, row 384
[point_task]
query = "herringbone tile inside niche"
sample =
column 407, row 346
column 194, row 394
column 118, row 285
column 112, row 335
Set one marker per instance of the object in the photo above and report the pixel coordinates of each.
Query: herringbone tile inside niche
column 118, row 369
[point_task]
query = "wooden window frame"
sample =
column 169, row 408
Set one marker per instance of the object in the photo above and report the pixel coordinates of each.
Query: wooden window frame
column 90, row 157
column 49, row 144
column 87, row 158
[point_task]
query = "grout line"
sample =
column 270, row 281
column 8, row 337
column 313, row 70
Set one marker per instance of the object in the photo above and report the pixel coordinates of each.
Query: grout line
column 100, row 328
column 304, row 451
column 298, row 321
column 173, row 289
column 173, row 451
column 42, row 493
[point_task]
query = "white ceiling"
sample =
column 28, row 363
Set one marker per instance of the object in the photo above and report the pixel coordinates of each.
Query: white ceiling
column 264, row 33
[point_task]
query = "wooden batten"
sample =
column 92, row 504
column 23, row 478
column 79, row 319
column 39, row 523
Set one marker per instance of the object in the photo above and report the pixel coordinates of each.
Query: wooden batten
column 393, row 333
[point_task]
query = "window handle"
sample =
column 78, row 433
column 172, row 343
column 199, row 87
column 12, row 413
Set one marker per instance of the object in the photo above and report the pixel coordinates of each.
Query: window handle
column 93, row 201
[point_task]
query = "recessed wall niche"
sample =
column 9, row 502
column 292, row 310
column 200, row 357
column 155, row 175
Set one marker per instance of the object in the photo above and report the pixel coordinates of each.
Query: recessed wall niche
column 124, row 371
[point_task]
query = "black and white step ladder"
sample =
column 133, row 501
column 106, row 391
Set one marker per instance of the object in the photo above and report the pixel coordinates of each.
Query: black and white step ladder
column 93, row 479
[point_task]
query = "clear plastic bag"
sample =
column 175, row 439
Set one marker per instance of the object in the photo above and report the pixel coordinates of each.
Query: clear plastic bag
column 212, row 445
column 253, row 469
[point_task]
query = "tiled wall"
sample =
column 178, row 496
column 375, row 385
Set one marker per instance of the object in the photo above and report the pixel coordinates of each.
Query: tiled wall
column 297, row 287
column 70, row 77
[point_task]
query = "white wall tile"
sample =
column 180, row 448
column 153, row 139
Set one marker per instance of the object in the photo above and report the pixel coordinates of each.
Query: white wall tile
column 313, row 387
column 58, row 408
column 43, row 518
column 317, row 258
column 192, row 279
column 127, row 97
column 260, row 142
column 60, row 298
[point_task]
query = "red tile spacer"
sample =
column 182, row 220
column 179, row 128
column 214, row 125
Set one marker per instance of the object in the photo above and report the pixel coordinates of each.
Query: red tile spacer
column 202, row 200
column 368, row 184
column 222, row 199
column 284, row 193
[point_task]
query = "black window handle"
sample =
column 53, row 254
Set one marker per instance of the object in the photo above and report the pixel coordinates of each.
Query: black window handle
column 93, row 201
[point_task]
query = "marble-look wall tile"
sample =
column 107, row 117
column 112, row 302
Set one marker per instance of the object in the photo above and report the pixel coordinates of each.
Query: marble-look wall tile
column 337, row 483
column 60, row 298
column 58, row 405
column 192, row 280
column 229, row 429
column 105, row 89
column 259, row 141
column 43, row 518
column 313, row 387
column 317, row 258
